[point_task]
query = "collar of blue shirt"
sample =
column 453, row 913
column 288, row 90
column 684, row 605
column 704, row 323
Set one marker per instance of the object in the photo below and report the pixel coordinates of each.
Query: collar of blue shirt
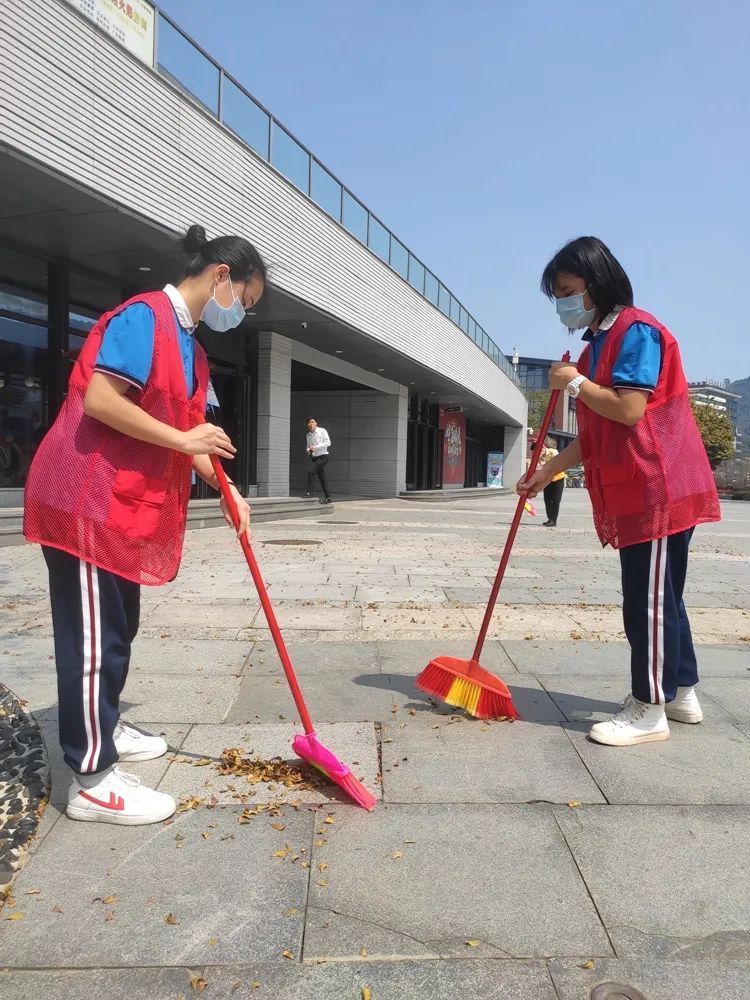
column 606, row 324
column 184, row 317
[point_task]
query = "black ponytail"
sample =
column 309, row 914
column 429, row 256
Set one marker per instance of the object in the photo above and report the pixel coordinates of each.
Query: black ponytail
column 241, row 257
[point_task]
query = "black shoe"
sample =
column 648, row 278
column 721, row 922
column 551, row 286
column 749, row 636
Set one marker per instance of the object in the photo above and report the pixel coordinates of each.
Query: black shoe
column 326, row 500
column 550, row 524
column 308, row 494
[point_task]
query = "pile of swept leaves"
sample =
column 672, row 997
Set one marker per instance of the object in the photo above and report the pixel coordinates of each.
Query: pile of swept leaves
column 274, row 771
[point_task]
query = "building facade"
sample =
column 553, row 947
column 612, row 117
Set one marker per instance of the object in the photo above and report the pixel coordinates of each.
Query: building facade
column 719, row 397
column 533, row 376
column 118, row 132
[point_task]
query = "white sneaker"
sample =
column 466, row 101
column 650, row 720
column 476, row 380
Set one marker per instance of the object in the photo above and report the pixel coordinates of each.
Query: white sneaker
column 131, row 744
column 637, row 722
column 685, row 707
column 118, row 798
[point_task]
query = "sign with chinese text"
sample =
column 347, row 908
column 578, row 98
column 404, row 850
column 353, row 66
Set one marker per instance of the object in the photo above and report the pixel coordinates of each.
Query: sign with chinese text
column 130, row 22
column 495, row 469
column 453, row 426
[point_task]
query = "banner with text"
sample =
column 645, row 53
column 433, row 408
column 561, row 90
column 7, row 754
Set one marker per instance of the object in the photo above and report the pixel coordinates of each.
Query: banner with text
column 130, row 22
column 453, row 426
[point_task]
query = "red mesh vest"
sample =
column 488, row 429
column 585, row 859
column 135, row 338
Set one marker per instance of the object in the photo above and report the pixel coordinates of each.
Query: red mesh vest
column 652, row 479
column 104, row 497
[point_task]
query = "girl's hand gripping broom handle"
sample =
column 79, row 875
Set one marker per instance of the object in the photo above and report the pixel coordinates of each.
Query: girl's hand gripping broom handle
column 516, row 520
column 263, row 595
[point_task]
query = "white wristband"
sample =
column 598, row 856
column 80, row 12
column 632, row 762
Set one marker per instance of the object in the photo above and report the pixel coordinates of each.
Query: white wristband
column 573, row 387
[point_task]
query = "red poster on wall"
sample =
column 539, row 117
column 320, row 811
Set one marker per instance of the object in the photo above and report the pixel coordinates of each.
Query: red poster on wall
column 453, row 426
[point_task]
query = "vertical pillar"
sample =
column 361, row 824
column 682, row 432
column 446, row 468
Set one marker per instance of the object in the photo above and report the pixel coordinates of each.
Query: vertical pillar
column 514, row 461
column 58, row 306
column 274, row 404
column 377, row 443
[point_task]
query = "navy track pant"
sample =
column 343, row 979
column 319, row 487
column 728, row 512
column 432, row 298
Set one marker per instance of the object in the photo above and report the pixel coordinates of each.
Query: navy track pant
column 656, row 622
column 95, row 619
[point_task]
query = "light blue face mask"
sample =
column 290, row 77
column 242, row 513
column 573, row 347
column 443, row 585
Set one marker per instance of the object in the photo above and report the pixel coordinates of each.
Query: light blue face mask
column 572, row 312
column 220, row 318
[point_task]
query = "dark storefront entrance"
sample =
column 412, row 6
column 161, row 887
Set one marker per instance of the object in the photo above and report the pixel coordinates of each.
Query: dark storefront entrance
column 424, row 446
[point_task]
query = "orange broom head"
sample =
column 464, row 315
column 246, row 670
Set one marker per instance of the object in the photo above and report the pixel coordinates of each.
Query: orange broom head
column 464, row 684
column 309, row 748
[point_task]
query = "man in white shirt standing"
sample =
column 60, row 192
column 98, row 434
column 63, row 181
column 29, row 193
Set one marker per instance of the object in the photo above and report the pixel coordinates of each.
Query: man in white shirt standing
column 318, row 443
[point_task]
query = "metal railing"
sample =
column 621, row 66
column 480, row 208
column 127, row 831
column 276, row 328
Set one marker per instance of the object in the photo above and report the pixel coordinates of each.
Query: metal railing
column 182, row 61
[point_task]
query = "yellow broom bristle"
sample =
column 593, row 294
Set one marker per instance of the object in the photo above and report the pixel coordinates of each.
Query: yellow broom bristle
column 464, row 694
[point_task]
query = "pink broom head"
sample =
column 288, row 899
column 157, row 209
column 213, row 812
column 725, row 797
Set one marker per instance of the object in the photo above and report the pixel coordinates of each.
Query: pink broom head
column 309, row 748
column 464, row 684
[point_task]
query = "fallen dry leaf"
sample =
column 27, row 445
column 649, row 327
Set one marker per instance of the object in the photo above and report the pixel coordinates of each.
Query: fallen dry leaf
column 197, row 982
column 278, row 826
column 364, row 952
column 586, row 965
column 322, row 882
column 574, row 804
column 366, row 993
column 329, row 820
column 322, row 866
column 189, row 802
column 255, row 985
column 287, row 954
column 473, row 943
column 396, row 855
column 212, row 942
column 32, row 892
column 203, row 762
column 170, row 919
column 57, row 909
column 15, row 916
column 109, row 916
column 291, row 912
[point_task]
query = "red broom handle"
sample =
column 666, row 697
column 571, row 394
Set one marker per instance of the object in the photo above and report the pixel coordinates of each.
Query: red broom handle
column 263, row 594
column 516, row 521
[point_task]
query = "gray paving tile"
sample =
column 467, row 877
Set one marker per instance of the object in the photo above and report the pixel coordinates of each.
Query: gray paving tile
column 179, row 614
column 353, row 743
column 460, row 760
column 427, row 903
column 732, row 695
column 581, row 657
column 164, row 698
column 187, row 656
column 668, row 881
column 480, row 595
column 475, row 980
column 237, row 893
column 344, row 660
column 310, row 591
column 701, row 764
column 656, row 979
column 330, row 698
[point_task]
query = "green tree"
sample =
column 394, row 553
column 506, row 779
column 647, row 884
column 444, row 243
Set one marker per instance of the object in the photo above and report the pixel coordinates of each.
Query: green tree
column 537, row 405
column 716, row 431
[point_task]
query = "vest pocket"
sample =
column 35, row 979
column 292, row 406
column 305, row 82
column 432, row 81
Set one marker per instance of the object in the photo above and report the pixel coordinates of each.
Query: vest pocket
column 622, row 490
column 137, row 502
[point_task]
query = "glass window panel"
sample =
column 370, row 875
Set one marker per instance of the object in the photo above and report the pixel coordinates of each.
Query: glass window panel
column 379, row 239
column 23, row 303
column 472, row 328
column 187, row 66
column 355, row 217
column 240, row 113
column 325, row 190
column 485, row 343
column 290, row 158
column 399, row 258
column 455, row 310
column 463, row 320
column 416, row 274
column 444, row 300
column 431, row 287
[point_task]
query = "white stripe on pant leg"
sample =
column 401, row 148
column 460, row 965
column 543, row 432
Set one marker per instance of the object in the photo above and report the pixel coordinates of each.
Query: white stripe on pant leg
column 98, row 665
column 85, row 615
column 660, row 621
column 650, row 617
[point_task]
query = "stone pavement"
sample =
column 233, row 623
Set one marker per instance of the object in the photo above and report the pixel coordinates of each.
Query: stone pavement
column 514, row 861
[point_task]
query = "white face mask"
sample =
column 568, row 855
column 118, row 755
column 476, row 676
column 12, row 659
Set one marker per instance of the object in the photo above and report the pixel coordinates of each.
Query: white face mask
column 223, row 318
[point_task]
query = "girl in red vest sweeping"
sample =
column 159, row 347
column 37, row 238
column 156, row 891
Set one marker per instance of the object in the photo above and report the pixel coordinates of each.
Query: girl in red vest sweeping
column 647, row 474
column 107, row 497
